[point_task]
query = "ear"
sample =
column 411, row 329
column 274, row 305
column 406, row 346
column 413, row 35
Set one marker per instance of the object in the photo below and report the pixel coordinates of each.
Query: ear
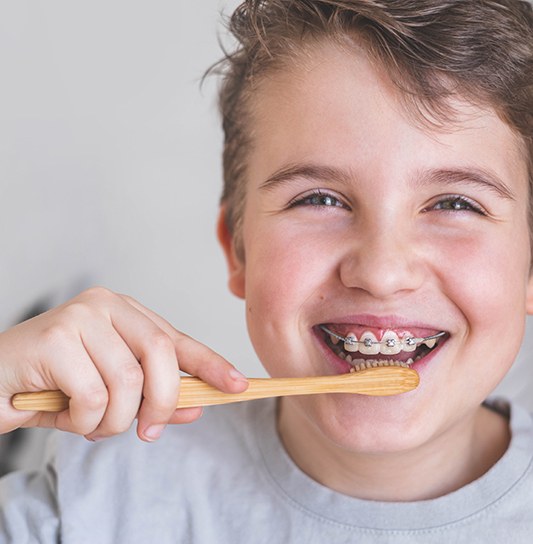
column 529, row 295
column 236, row 266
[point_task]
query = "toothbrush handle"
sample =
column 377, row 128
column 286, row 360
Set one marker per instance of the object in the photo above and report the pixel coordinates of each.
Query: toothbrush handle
column 380, row 381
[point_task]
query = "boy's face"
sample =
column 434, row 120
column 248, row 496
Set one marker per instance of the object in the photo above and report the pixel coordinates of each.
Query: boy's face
column 361, row 217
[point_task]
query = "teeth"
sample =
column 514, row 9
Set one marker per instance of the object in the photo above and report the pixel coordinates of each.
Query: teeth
column 390, row 343
column 349, row 346
column 368, row 344
column 406, row 345
column 348, row 358
column 368, row 347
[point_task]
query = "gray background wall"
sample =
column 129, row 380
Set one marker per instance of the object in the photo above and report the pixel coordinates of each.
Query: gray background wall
column 110, row 163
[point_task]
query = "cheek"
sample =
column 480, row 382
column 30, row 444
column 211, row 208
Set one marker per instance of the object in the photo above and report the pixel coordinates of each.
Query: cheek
column 486, row 280
column 284, row 273
column 283, row 267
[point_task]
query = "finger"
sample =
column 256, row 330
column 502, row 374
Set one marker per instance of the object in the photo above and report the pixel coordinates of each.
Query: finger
column 122, row 374
column 13, row 418
column 73, row 371
column 197, row 359
column 155, row 351
column 186, row 415
column 46, row 420
column 201, row 361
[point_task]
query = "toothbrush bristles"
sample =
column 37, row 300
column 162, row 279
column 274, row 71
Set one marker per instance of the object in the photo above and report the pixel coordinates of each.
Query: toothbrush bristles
column 374, row 363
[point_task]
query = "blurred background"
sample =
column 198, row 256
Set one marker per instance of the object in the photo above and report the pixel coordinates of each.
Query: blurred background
column 110, row 160
column 110, row 168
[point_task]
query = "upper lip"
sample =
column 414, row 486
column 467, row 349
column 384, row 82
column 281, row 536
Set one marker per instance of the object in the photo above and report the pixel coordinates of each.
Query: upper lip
column 390, row 322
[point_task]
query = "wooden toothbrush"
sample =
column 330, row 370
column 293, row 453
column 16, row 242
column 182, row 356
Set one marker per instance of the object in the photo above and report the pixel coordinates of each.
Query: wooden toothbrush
column 386, row 378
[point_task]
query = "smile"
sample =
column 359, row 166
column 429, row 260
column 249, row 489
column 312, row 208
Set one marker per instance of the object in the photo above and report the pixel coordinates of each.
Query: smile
column 365, row 347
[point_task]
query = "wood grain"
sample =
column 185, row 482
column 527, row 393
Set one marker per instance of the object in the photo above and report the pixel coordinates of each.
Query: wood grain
column 380, row 381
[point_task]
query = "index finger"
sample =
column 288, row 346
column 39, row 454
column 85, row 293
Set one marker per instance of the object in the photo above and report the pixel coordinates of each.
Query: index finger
column 196, row 358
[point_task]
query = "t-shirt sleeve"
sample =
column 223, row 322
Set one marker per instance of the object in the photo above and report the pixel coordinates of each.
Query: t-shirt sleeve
column 28, row 507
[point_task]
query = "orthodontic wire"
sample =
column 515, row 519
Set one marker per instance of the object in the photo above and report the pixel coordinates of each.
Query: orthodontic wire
column 391, row 342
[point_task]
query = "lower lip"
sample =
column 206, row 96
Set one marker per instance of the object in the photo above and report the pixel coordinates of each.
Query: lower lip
column 342, row 367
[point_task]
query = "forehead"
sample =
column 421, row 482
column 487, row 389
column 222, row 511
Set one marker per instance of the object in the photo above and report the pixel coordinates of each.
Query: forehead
column 340, row 108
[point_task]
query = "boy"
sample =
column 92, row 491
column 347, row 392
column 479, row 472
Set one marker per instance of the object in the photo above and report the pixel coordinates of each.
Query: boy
column 378, row 162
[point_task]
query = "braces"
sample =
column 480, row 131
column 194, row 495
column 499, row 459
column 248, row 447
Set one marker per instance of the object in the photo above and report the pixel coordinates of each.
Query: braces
column 390, row 343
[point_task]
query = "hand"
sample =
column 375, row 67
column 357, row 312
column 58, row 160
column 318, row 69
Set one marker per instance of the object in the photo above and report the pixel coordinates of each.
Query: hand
column 114, row 358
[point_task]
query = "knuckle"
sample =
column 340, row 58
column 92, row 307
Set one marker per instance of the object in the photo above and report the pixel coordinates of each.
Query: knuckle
column 84, row 428
column 166, row 400
column 130, row 376
column 129, row 299
column 77, row 311
column 185, row 345
column 111, row 428
column 94, row 399
column 162, row 405
column 55, row 335
column 97, row 293
column 161, row 342
column 183, row 339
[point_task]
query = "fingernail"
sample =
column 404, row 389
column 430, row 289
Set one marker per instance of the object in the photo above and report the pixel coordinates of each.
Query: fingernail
column 236, row 375
column 153, row 432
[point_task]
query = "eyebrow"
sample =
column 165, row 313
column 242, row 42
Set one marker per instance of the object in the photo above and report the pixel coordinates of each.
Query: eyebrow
column 308, row 171
column 479, row 177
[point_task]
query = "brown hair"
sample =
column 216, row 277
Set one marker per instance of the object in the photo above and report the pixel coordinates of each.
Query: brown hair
column 480, row 49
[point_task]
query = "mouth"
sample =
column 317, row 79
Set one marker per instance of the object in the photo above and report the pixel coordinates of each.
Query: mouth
column 361, row 347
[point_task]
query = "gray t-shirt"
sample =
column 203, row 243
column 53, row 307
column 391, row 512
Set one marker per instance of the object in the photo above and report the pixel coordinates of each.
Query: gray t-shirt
column 227, row 479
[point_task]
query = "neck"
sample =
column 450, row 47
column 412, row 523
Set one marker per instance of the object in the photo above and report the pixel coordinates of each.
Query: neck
column 450, row 461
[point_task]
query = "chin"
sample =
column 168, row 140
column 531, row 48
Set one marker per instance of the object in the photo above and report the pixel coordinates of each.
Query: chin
column 368, row 425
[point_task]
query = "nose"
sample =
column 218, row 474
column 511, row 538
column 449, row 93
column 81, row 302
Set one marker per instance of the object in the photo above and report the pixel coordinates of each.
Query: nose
column 384, row 262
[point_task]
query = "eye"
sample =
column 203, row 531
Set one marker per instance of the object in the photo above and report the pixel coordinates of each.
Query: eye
column 455, row 203
column 318, row 198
